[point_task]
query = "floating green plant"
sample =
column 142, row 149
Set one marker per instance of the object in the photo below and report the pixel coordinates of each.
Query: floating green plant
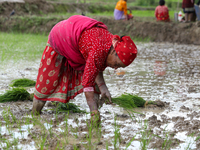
column 22, row 83
column 15, row 94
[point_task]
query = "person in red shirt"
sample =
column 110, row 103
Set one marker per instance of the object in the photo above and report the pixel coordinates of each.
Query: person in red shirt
column 77, row 52
column 188, row 9
column 162, row 12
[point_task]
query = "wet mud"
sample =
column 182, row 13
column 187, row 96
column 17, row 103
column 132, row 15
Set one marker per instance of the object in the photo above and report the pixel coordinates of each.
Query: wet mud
column 173, row 123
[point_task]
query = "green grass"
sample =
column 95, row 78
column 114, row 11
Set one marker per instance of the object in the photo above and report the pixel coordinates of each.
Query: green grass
column 19, row 46
column 135, row 13
column 16, row 46
column 130, row 3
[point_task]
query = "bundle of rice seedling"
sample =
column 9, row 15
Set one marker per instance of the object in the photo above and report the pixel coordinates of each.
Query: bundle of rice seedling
column 68, row 107
column 15, row 94
column 22, row 83
column 129, row 101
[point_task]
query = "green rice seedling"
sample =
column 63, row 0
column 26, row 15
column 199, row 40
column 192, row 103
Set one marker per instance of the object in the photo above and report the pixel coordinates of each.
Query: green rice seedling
column 50, row 129
column 42, row 126
column 14, row 119
column 19, row 123
column 56, row 116
column 11, row 144
column 146, row 136
column 43, row 142
column 6, row 117
column 31, row 96
column 98, row 132
column 190, row 142
column 68, row 107
column 197, row 138
column 14, row 94
column 107, row 145
column 0, row 128
column 75, row 147
column 89, row 135
column 132, row 116
column 66, row 128
column 129, row 101
column 20, row 128
column 22, row 83
column 167, row 141
column 27, row 120
column 57, row 146
column 117, row 136
column 76, row 129
column 129, row 143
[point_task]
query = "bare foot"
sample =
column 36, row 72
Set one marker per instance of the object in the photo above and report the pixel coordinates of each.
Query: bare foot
column 37, row 106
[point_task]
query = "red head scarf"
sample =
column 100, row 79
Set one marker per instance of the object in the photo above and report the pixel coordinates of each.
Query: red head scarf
column 125, row 48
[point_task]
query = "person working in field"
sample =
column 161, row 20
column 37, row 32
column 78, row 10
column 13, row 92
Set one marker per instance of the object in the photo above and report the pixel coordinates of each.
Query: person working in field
column 77, row 52
column 162, row 12
column 188, row 9
column 120, row 12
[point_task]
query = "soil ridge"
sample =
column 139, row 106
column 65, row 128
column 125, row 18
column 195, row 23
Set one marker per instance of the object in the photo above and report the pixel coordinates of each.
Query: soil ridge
column 24, row 21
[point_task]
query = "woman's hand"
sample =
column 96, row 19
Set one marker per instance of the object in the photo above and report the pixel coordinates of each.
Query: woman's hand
column 105, row 94
column 91, row 101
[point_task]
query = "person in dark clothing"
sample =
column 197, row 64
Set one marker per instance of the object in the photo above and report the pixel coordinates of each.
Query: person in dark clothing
column 198, row 3
column 188, row 9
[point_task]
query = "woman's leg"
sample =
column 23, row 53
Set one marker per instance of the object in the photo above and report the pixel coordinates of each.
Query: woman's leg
column 37, row 106
column 186, row 17
column 190, row 17
column 96, row 97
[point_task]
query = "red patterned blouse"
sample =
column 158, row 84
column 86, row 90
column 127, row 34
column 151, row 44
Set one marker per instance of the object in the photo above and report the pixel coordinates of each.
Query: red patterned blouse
column 94, row 44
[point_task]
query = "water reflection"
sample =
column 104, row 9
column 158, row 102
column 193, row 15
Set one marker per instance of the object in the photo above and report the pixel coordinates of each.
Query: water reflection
column 165, row 71
column 160, row 67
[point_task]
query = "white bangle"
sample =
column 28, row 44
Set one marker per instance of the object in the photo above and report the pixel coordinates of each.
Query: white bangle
column 88, row 89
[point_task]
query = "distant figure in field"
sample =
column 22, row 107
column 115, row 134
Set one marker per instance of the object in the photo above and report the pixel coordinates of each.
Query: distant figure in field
column 12, row 13
column 120, row 12
column 162, row 12
column 197, row 10
column 188, row 9
column 198, row 3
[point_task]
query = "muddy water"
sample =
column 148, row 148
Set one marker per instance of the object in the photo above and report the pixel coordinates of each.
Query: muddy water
column 162, row 71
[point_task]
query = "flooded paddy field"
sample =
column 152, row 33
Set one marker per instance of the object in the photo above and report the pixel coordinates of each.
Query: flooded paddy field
column 162, row 71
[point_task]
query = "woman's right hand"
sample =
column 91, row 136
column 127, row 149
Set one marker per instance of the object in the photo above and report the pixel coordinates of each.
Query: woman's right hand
column 105, row 94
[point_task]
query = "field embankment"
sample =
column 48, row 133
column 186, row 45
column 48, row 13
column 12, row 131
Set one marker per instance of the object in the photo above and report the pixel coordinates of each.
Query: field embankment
column 31, row 17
